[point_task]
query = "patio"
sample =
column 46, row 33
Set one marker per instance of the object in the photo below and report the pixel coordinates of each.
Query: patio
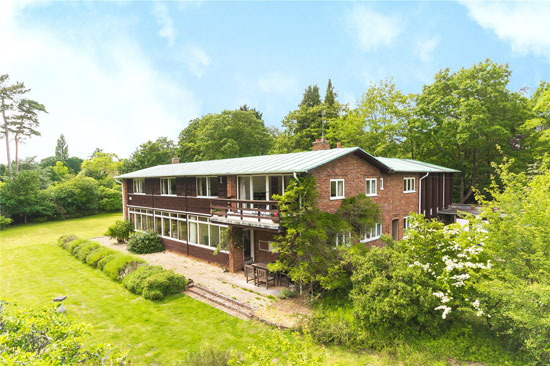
column 263, row 300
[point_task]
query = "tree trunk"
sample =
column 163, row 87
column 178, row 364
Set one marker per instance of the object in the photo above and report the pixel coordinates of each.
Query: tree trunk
column 16, row 155
column 6, row 132
column 462, row 187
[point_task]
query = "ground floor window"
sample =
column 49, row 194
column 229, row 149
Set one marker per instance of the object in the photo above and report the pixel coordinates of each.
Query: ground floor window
column 266, row 245
column 190, row 229
column 371, row 233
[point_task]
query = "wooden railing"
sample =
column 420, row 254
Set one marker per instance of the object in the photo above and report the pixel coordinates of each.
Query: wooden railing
column 242, row 209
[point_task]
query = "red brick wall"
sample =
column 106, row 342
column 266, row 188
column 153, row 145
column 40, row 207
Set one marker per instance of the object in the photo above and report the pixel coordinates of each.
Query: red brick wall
column 196, row 251
column 262, row 255
column 354, row 170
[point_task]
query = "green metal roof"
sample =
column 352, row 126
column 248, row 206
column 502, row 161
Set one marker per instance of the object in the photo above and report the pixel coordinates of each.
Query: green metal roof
column 300, row 162
column 414, row 166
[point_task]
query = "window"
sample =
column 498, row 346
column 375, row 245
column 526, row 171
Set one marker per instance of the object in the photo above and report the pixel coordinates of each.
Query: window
column 371, row 233
column 381, row 184
column 138, row 186
column 343, row 238
column 406, row 223
column 208, row 186
column 336, row 189
column 370, row 187
column 168, row 186
column 409, row 185
column 267, row 246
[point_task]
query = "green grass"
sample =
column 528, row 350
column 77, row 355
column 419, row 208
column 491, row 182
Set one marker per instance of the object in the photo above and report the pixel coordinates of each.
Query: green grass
column 33, row 270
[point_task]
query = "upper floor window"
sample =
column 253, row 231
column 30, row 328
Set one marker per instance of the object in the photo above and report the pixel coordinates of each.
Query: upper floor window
column 343, row 238
column 409, row 184
column 168, row 186
column 381, row 184
column 138, row 185
column 208, row 186
column 371, row 233
column 336, row 189
column 370, row 187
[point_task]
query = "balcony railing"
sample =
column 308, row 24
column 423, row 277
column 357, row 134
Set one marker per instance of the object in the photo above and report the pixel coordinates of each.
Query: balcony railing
column 245, row 210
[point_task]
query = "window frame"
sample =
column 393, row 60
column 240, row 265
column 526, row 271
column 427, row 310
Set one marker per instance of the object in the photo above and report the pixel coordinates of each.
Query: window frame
column 162, row 185
column 375, row 233
column 141, row 185
column 407, row 185
column 208, row 186
column 338, row 180
column 381, row 183
column 371, row 180
column 269, row 249
column 406, row 223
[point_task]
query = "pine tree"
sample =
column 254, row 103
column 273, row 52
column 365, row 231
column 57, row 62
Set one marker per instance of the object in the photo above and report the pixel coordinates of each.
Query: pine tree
column 330, row 95
column 311, row 97
column 61, row 149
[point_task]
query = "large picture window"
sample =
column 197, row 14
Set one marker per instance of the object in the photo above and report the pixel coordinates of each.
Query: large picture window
column 370, row 187
column 336, row 189
column 208, row 186
column 168, row 186
column 138, row 185
column 409, row 185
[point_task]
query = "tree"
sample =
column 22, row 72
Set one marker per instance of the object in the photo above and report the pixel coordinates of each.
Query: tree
column 101, row 165
column 379, row 123
column 9, row 99
column 24, row 123
column 536, row 130
column 468, row 114
column 21, row 197
column 330, row 95
column 150, row 153
column 229, row 134
column 246, row 108
column 61, row 149
column 304, row 125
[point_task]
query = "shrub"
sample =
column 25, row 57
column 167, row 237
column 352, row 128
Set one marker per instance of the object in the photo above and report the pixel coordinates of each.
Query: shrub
column 106, row 259
column 164, row 283
column 73, row 246
column 209, row 357
column 4, row 222
column 97, row 255
column 120, row 230
column 287, row 294
column 120, row 265
column 85, row 249
column 134, row 281
column 46, row 337
column 65, row 239
column 111, row 199
column 143, row 243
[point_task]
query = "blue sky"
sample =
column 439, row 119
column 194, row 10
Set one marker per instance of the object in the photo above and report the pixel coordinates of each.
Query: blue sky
column 115, row 74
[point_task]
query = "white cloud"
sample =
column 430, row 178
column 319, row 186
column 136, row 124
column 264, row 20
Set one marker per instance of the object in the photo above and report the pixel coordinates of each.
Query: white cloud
column 425, row 48
column 277, row 83
column 165, row 22
column 525, row 24
column 373, row 29
column 98, row 93
column 196, row 59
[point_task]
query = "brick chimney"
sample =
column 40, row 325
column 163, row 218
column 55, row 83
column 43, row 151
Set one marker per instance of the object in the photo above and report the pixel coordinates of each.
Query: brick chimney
column 338, row 145
column 321, row 145
column 175, row 160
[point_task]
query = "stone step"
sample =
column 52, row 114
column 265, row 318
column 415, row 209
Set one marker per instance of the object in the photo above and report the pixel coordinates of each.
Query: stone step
column 220, row 300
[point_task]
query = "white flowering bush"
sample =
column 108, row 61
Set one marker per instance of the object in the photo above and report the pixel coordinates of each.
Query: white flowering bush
column 454, row 258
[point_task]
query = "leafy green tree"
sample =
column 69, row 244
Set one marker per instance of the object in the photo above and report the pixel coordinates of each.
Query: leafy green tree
column 257, row 113
column 61, row 149
column 150, row 153
column 22, row 198
column 75, row 197
column 228, row 134
column 10, row 96
column 304, row 125
column 468, row 114
column 61, row 171
column 74, row 164
column 379, row 124
column 536, row 130
column 24, row 123
column 330, row 95
column 101, row 165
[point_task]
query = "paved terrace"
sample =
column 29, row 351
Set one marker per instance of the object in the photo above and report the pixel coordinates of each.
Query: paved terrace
column 233, row 285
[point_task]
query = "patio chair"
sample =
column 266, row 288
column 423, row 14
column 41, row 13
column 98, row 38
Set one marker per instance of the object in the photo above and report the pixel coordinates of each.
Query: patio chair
column 264, row 276
column 249, row 273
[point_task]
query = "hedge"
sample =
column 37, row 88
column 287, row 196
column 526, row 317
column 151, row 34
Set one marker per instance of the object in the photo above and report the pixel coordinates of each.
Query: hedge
column 151, row 282
column 145, row 242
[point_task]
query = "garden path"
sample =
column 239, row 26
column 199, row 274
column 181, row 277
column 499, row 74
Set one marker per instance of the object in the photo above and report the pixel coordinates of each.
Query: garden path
column 281, row 312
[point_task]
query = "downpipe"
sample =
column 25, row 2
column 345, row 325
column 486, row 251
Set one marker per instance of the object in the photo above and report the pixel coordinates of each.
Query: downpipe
column 420, row 192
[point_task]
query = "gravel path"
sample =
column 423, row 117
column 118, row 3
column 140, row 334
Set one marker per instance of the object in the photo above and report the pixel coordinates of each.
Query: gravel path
column 264, row 301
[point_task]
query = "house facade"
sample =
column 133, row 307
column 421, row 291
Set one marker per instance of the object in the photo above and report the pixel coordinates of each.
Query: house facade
column 192, row 205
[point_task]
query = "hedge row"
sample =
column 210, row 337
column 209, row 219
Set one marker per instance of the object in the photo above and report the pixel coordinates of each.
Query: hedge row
column 151, row 282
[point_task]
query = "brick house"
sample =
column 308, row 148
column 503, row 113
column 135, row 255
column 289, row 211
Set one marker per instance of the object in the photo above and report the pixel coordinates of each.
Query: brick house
column 191, row 205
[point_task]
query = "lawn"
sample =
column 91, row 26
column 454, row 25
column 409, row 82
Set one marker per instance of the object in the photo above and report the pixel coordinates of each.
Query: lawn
column 33, row 270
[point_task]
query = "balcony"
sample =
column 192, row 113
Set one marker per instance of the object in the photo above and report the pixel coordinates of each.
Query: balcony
column 253, row 213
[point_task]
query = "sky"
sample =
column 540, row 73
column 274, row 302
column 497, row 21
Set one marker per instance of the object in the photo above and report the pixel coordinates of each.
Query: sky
column 113, row 75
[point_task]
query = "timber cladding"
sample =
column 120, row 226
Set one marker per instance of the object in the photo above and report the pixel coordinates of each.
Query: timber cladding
column 195, row 251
